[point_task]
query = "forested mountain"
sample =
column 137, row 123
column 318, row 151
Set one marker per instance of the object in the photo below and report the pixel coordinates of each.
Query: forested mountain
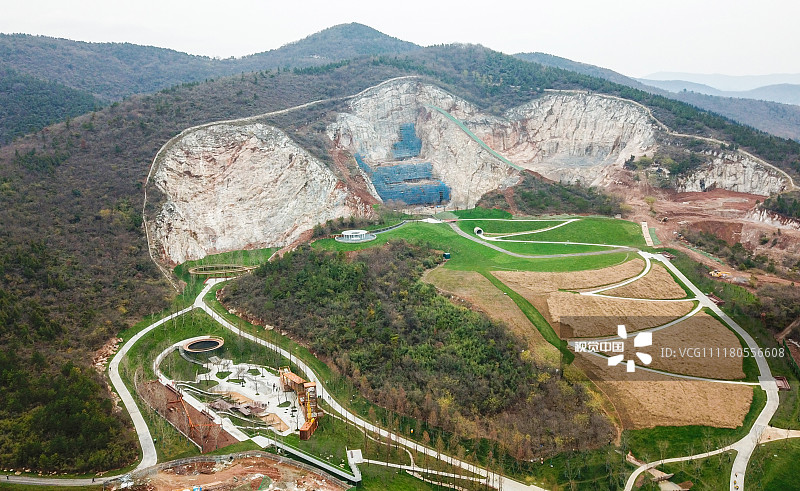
column 73, row 257
column 111, row 71
column 28, row 104
column 778, row 119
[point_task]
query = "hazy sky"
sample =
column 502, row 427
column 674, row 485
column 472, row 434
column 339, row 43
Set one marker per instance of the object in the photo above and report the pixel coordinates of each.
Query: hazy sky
column 634, row 37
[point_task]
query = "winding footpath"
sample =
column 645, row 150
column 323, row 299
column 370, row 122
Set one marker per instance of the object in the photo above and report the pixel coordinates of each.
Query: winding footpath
column 744, row 448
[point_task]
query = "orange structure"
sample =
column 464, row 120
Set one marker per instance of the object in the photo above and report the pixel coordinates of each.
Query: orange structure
column 306, row 397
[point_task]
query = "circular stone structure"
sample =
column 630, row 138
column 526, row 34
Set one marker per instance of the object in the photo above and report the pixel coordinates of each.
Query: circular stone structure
column 203, row 345
column 478, row 231
column 355, row 236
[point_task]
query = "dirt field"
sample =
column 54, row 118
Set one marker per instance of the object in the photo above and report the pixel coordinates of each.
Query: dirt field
column 528, row 282
column 657, row 284
column 241, row 475
column 479, row 292
column 578, row 316
column 659, row 400
column 699, row 331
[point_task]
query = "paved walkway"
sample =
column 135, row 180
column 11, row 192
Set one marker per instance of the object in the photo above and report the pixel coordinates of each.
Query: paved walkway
column 772, row 434
column 504, row 482
column 646, row 232
column 744, row 447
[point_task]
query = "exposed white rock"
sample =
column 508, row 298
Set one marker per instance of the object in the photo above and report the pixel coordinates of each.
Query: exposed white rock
column 569, row 136
column 771, row 218
column 564, row 136
column 463, row 164
column 231, row 187
column 734, row 173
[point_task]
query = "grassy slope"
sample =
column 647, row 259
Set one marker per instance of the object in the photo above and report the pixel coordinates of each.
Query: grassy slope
column 471, row 256
column 773, row 466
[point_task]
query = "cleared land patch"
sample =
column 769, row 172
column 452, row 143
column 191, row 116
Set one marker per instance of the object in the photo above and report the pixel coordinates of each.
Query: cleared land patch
column 580, row 316
column 660, row 400
column 656, row 284
column 482, row 294
column 701, row 331
column 529, row 282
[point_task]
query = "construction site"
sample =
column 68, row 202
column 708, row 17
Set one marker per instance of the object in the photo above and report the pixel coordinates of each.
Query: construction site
column 406, row 178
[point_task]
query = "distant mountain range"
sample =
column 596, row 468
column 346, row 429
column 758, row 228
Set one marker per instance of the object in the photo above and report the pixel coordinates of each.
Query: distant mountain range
column 783, row 93
column 105, row 72
column 729, row 83
column 753, row 108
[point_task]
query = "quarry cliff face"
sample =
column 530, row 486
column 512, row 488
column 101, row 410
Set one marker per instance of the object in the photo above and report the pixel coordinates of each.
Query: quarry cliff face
column 734, row 173
column 570, row 136
column 231, row 187
column 563, row 136
column 371, row 127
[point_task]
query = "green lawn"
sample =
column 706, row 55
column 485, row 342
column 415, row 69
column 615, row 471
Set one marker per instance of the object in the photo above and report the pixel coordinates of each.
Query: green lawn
column 470, row 256
column 788, row 413
column 532, row 249
column 773, row 466
column 710, row 473
column 482, row 213
column 688, row 440
column 507, row 226
column 594, row 230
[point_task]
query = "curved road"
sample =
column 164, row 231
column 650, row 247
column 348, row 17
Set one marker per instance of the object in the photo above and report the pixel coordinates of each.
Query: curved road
column 543, row 256
column 744, row 447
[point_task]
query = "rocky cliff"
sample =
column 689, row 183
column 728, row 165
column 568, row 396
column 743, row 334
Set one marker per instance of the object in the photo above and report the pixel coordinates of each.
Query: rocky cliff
column 570, row 136
column 734, row 173
column 230, row 187
column 371, row 127
column 565, row 136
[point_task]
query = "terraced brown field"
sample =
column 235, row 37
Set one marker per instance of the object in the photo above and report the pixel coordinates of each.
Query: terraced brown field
column 579, row 316
column 535, row 283
column 657, row 284
column 660, row 400
column 701, row 331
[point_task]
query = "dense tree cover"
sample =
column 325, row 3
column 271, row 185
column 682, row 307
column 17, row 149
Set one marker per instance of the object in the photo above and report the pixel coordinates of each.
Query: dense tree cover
column 57, row 421
column 71, row 197
column 413, row 351
column 73, row 256
column 535, row 196
column 786, row 204
column 28, row 104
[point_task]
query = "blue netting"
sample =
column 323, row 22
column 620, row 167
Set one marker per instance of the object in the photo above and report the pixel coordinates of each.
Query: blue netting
column 362, row 164
column 409, row 145
column 401, row 182
column 414, row 193
column 403, row 172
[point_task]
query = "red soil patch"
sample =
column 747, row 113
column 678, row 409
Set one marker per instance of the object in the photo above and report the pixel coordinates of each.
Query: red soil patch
column 189, row 421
